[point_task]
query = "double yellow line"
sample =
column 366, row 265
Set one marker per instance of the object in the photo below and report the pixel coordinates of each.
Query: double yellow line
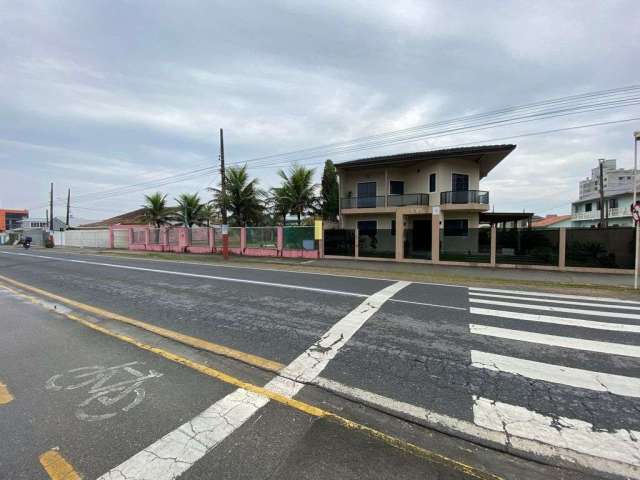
column 250, row 359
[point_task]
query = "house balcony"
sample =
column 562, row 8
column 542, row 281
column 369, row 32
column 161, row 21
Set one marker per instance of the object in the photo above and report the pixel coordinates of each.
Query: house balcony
column 595, row 214
column 475, row 200
column 384, row 203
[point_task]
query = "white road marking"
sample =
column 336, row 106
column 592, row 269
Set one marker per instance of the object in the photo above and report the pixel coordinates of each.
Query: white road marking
column 551, row 300
column 549, row 308
column 574, row 377
column 427, row 304
column 566, row 342
column 522, row 425
column 553, row 295
column 176, row 452
column 574, row 322
column 196, row 275
column 580, row 446
column 246, row 267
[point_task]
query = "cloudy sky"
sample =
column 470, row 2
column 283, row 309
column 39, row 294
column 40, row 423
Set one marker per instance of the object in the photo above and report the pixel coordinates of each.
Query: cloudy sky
column 96, row 95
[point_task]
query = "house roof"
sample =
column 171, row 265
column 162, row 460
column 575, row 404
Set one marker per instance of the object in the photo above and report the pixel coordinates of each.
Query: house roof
column 487, row 156
column 135, row 217
column 550, row 220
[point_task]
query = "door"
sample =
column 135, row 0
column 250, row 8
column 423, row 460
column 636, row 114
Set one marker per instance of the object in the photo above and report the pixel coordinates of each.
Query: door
column 366, row 195
column 421, row 238
column 460, row 187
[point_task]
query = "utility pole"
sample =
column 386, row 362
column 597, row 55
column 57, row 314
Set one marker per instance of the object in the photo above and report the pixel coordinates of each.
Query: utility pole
column 51, row 208
column 602, row 207
column 223, row 180
column 223, row 208
column 68, row 204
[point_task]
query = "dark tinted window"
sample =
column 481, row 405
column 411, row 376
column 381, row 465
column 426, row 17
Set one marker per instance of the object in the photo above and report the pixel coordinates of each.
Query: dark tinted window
column 460, row 182
column 432, row 182
column 396, row 187
column 456, row 228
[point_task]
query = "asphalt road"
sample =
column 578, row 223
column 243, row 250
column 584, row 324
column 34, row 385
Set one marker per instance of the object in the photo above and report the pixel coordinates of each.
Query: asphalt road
column 549, row 377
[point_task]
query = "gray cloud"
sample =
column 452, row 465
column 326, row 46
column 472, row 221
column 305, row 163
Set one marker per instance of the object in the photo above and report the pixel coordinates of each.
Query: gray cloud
column 96, row 95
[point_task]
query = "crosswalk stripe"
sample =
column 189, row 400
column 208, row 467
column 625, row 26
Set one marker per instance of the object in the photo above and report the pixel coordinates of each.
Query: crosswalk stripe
column 574, row 322
column 574, row 377
column 566, row 342
column 551, row 300
column 553, row 295
column 557, row 309
column 521, row 425
column 176, row 452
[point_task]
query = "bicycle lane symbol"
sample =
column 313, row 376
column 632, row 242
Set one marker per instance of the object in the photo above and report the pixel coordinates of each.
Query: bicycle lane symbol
column 108, row 393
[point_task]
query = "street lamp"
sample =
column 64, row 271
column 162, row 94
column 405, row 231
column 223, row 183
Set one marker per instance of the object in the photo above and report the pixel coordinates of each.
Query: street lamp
column 636, row 137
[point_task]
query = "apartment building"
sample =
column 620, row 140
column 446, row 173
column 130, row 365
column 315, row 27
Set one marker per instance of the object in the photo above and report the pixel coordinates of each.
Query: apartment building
column 618, row 196
column 10, row 219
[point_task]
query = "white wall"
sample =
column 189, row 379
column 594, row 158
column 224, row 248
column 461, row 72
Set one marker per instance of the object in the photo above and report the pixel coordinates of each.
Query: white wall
column 82, row 238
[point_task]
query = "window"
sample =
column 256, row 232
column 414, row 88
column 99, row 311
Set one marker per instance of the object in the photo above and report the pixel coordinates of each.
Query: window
column 367, row 227
column 396, row 187
column 459, row 182
column 613, row 203
column 587, row 207
column 456, row 228
column 393, row 228
column 366, row 195
column 432, row 183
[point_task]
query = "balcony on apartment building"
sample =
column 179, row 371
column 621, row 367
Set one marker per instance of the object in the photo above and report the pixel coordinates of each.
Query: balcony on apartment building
column 381, row 201
column 595, row 214
column 464, row 197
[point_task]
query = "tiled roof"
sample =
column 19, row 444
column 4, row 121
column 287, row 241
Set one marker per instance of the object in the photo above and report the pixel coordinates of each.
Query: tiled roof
column 550, row 220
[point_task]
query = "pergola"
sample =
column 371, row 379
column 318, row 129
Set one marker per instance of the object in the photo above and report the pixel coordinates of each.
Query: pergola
column 493, row 218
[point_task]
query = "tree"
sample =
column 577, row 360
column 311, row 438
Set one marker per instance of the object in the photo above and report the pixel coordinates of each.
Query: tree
column 243, row 198
column 280, row 204
column 297, row 190
column 209, row 214
column 189, row 210
column 330, row 192
column 155, row 209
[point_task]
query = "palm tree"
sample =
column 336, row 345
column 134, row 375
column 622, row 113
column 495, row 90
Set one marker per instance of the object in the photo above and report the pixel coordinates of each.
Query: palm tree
column 279, row 204
column 189, row 210
column 208, row 214
column 242, row 198
column 155, row 209
column 297, row 190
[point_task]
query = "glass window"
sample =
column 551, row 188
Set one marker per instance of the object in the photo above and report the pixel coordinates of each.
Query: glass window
column 367, row 226
column 613, row 203
column 432, row 182
column 456, row 228
column 396, row 187
column 459, row 182
column 587, row 207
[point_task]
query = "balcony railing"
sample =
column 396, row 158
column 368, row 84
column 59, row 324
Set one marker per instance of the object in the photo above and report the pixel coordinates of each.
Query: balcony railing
column 408, row 199
column 464, row 196
column 363, row 202
column 595, row 214
column 392, row 201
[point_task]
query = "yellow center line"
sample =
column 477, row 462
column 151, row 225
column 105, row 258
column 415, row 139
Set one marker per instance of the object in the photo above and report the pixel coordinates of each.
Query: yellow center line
column 57, row 467
column 304, row 407
column 5, row 394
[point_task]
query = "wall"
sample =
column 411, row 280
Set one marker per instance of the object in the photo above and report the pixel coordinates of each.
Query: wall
column 82, row 238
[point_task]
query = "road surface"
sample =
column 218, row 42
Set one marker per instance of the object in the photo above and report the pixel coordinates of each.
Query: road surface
column 459, row 373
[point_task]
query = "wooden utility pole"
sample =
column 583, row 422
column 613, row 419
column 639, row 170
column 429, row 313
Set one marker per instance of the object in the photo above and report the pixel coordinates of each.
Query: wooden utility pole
column 68, row 204
column 602, row 206
column 51, row 207
column 223, row 181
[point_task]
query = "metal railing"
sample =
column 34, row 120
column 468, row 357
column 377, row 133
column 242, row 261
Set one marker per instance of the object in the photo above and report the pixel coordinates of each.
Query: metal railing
column 391, row 201
column 408, row 199
column 595, row 214
column 464, row 196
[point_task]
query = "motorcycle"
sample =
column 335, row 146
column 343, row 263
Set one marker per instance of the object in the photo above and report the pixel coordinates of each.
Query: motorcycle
column 27, row 242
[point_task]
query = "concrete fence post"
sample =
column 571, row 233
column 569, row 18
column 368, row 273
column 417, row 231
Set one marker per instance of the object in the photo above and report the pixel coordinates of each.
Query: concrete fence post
column 243, row 239
column 399, row 236
column 130, row 234
column 494, row 242
column 147, row 237
column 356, row 243
column 212, row 239
column 183, row 239
column 562, row 248
column 435, row 238
column 279, row 239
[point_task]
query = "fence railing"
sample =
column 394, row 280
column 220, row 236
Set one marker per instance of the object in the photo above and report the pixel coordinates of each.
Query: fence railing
column 464, row 196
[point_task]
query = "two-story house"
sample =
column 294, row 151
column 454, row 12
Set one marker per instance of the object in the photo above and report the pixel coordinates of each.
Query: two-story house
column 411, row 191
column 617, row 186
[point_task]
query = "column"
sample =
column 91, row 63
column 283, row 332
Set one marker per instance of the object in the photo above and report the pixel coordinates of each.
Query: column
column 435, row 238
column 356, row 243
column 494, row 233
column 399, row 236
column 562, row 247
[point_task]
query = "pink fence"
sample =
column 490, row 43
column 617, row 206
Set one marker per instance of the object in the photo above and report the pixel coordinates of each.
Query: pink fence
column 204, row 241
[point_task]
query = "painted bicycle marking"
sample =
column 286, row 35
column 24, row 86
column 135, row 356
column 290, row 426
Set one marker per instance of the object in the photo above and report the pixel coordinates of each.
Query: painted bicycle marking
column 111, row 389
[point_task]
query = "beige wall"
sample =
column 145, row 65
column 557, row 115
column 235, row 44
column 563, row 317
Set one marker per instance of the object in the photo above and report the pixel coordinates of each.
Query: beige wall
column 384, row 219
column 416, row 177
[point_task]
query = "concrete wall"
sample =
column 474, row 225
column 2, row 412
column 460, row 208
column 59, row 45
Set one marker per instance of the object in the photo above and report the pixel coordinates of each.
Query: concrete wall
column 82, row 238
